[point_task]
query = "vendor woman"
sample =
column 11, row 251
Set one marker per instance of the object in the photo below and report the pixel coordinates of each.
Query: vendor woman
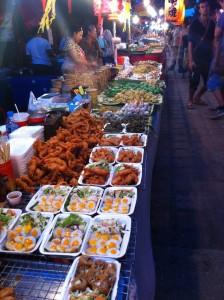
column 91, row 47
column 75, row 59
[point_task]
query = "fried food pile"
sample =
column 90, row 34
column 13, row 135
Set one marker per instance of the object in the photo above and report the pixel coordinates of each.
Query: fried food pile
column 125, row 175
column 96, row 174
column 61, row 159
column 110, row 141
column 7, row 293
column 129, row 156
column 94, row 278
column 132, row 140
column 103, row 154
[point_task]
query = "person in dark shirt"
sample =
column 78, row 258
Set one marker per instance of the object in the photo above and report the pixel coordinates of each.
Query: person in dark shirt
column 200, row 52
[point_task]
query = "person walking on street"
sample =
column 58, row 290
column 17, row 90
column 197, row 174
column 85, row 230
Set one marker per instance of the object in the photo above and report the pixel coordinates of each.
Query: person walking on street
column 200, row 52
column 216, row 78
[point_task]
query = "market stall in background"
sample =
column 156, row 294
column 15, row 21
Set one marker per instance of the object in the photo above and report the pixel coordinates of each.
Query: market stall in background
column 76, row 174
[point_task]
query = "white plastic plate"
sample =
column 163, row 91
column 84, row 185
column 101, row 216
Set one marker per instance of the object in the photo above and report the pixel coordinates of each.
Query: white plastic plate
column 51, row 228
column 49, row 218
column 36, row 198
column 11, row 223
column 125, row 220
column 112, row 149
column 95, row 190
column 65, row 295
column 136, row 166
column 134, row 149
column 121, row 188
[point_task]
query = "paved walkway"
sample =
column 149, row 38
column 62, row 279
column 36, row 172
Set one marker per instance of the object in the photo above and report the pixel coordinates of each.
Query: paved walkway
column 188, row 201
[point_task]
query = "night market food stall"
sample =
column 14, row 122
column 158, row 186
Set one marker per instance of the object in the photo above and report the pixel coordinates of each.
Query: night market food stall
column 78, row 224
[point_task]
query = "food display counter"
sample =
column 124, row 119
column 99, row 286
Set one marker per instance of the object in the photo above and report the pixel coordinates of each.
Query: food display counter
column 87, row 192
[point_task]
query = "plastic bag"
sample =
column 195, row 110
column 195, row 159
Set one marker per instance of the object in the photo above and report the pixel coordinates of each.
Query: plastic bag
column 34, row 105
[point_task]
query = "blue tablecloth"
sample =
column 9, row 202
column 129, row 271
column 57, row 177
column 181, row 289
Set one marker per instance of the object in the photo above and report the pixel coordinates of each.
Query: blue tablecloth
column 144, row 262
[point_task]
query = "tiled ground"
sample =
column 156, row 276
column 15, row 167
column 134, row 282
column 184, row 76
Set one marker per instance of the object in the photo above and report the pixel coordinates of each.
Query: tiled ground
column 188, row 201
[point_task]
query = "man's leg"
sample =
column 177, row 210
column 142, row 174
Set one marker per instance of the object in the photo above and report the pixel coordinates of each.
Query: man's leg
column 203, row 68
column 194, row 81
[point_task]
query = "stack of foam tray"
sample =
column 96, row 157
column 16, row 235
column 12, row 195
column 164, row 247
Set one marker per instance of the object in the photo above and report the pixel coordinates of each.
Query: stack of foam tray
column 21, row 151
column 36, row 132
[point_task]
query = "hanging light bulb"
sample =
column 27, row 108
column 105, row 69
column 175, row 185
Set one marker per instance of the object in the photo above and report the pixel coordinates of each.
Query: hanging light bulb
column 122, row 18
column 161, row 12
column 151, row 11
column 146, row 2
column 135, row 19
column 114, row 6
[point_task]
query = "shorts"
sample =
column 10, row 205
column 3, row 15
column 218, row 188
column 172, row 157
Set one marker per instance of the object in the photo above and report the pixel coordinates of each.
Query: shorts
column 200, row 70
column 215, row 82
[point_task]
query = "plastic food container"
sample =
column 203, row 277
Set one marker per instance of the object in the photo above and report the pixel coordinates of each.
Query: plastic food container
column 47, row 216
column 14, row 198
column 132, row 149
column 36, row 199
column 111, row 135
column 28, row 131
column 4, row 230
column 94, row 190
column 132, row 204
column 122, row 219
column 50, row 231
column 21, row 119
column 136, row 166
column 112, row 149
column 65, row 295
column 143, row 138
column 36, row 119
column 107, row 182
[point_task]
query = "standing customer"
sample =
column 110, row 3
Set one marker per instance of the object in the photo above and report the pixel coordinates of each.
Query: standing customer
column 200, row 50
column 39, row 51
column 108, row 51
column 100, row 39
column 182, row 60
column 216, row 79
column 176, row 40
column 91, row 47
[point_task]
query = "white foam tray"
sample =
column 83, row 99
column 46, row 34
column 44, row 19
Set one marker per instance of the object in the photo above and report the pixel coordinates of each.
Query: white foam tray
column 36, row 198
column 67, row 201
column 144, row 139
column 47, row 216
column 80, row 180
column 65, row 295
column 108, row 135
column 49, row 234
column 137, row 166
column 112, row 149
column 3, row 233
column 126, row 220
column 132, row 204
column 134, row 149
